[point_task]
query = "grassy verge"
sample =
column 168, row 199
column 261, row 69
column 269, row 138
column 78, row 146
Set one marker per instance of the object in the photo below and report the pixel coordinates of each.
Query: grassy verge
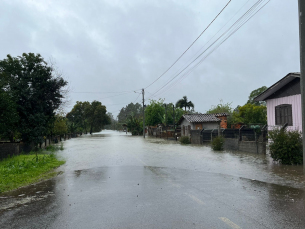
column 26, row 169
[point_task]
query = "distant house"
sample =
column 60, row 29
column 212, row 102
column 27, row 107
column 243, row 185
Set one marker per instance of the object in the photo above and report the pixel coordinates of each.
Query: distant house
column 201, row 121
column 283, row 101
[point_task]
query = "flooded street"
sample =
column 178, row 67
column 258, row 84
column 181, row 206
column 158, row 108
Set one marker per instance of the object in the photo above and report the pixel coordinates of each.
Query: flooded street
column 114, row 180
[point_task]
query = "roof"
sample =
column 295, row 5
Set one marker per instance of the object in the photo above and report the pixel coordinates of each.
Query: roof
column 221, row 114
column 202, row 117
column 277, row 86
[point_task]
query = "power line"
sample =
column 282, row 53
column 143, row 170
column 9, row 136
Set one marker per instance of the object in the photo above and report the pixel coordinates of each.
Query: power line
column 227, row 34
column 253, row 8
column 99, row 92
column 189, row 46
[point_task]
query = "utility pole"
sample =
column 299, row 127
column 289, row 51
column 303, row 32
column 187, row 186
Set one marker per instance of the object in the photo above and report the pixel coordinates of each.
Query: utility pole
column 143, row 114
column 166, row 120
column 302, row 66
column 174, row 122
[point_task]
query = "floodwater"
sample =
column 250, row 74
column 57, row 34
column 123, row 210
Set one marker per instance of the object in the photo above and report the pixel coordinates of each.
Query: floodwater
column 115, row 180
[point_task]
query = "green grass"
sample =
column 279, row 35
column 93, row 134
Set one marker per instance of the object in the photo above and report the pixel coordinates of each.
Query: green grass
column 26, row 169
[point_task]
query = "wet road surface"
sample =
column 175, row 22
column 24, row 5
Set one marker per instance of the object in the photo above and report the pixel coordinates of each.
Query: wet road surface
column 114, row 180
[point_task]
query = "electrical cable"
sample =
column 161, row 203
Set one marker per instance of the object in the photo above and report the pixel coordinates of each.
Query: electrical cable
column 189, row 46
column 227, row 31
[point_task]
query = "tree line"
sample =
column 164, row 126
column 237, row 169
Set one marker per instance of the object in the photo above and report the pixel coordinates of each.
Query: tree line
column 30, row 92
column 32, row 95
column 253, row 112
column 87, row 117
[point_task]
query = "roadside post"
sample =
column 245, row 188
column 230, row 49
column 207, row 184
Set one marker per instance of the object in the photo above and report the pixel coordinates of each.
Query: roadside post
column 302, row 67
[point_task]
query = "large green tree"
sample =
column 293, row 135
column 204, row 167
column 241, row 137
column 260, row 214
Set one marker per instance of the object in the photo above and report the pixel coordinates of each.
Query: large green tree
column 8, row 115
column 78, row 117
column 134, row 125
column 154, row 112
column 251, row 114
column 60, row 126
column 96, row 116
column 135, row 110
column 255, row 93
column 36, row 91
column 184, row 103
column 114, row 125
column 172, row 113
column 221, row 108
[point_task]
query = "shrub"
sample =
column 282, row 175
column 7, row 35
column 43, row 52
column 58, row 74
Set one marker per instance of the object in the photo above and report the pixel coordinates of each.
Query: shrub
column 286, row 146
column 217, row 143
column 185, row 140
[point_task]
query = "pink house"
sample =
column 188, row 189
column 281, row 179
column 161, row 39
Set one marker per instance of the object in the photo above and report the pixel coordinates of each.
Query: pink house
column 284, row 102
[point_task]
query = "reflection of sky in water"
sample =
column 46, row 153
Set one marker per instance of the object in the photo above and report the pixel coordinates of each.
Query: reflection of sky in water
column 118, row 149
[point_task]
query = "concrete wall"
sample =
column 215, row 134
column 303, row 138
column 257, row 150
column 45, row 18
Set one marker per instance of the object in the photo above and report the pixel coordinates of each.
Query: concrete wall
column 185, row 124
column 253, row 147
column 195, row 137
column 245, row 146
column 231, row 144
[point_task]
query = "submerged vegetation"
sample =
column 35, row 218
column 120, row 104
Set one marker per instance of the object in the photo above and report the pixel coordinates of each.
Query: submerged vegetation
column 185, row 140
column 286, row 146
column 26, row 169
column 217, row 143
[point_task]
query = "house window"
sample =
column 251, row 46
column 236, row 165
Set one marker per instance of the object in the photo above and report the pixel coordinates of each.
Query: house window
column 283, row 114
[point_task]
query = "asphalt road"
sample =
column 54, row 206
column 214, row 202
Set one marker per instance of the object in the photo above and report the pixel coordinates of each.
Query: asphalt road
column 114, row 180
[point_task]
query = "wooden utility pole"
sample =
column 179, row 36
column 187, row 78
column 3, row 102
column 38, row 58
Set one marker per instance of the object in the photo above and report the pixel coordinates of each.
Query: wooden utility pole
column 143, row 114
column 166, row 120
column 302, row 66
column 174, row 122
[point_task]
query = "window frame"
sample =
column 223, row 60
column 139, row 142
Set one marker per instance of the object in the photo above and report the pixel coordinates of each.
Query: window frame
column 283, row 114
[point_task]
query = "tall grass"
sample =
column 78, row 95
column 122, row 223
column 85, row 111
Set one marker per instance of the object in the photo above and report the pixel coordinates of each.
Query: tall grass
column 22, row 170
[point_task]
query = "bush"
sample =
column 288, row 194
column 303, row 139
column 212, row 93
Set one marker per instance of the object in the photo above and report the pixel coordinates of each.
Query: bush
column 185, row 140
column 217, row 143
column 286, row 146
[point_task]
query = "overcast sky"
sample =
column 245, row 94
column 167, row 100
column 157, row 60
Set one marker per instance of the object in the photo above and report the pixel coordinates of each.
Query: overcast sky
column 112, row 48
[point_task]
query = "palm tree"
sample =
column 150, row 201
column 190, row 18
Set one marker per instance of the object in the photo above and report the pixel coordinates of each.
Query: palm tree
column 184, row 103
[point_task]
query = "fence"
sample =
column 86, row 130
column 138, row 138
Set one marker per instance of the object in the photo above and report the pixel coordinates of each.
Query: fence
column 244, row 139
column 164, row 132
column 8, row 149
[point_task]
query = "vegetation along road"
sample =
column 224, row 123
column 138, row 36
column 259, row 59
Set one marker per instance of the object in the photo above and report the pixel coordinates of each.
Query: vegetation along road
column 115, row 180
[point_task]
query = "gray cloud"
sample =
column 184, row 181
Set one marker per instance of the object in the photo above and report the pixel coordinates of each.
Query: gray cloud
column 115, row 46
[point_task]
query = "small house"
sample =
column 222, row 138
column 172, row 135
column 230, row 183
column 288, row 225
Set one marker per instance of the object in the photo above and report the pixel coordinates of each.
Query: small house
column 283, row 100
column 190, row 122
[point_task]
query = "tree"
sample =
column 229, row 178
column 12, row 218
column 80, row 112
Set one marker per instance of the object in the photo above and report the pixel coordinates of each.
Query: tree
column 8, row 116
column 250, row 113
column 134, row 125
column 220, row 108
column 36, row 91
column 184, row 103
column 171, row 112
column 60, row 125
column 78, row 116
column 223, row 108
column 114, row 125
column 286, row 146
column 154, row 112
column 130, row 109
column 96, row 115
column 255, row 93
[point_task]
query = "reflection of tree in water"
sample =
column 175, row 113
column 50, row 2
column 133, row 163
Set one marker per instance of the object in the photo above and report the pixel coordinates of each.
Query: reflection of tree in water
column 92, row 174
